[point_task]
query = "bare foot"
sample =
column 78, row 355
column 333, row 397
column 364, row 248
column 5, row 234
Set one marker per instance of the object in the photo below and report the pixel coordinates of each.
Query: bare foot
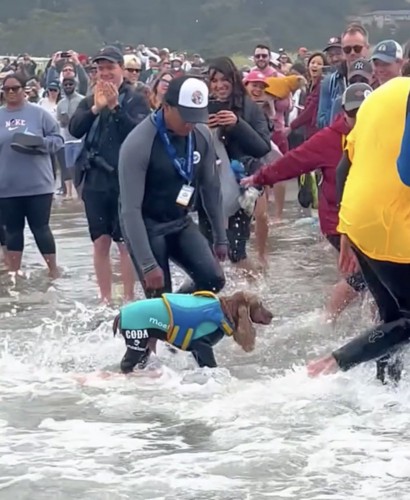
column 54, row 273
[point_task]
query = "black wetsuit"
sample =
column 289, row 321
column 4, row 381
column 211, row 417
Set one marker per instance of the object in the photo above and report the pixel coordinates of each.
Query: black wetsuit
column 155, row 227
column 389, row 284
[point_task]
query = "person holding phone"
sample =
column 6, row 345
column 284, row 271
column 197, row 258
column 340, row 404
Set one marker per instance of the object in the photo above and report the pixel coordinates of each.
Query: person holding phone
column 243, row 130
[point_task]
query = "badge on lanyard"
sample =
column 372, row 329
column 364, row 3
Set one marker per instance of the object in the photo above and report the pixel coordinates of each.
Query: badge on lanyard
column 185, row 195
column 184, row 166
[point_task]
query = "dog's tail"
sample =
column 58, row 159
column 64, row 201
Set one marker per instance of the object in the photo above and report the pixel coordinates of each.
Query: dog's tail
column 115, row 324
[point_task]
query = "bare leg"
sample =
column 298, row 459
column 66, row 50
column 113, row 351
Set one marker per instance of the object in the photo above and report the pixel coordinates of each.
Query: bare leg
column 51, row 261
column 342, row 295
column 102, row 266
column 262, row 228
column 127, row 273
column 279, row 191
column 14, row 260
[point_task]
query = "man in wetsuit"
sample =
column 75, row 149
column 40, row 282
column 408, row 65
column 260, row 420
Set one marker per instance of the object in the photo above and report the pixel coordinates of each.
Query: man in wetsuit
column 374, row 221
column 165, row 163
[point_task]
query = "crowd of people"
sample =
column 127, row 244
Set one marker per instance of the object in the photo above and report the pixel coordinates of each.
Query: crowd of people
column 145, row 137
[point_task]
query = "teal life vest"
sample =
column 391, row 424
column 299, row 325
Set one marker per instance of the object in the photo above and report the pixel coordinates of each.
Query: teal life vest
column 193, row 318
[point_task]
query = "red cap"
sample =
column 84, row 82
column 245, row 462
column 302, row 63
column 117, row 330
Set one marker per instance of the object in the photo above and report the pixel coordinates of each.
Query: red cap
column 255, row 76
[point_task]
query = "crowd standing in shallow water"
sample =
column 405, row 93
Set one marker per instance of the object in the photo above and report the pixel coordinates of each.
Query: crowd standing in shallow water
column 148, row 137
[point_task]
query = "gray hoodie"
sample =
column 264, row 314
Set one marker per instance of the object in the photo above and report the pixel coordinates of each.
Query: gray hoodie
column 22, row 174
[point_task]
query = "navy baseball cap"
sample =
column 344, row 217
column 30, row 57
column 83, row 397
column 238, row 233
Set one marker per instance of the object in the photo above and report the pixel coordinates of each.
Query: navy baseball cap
column 54, row 85
column 109, row 53
column 387, row 51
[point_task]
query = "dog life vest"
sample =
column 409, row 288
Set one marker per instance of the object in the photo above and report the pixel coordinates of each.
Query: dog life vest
column 200, row 318
column 184, row 317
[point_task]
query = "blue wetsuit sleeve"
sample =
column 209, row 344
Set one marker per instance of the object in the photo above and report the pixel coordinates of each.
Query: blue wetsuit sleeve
column 403, row 161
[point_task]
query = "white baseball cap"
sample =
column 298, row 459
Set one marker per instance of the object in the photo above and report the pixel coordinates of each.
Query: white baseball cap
column 190, row 96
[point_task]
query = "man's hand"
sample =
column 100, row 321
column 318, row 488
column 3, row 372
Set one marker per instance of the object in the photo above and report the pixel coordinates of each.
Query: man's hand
column 248, row 181
column 348, row 263
column 154, row 279
column 74, row 57
column 111, row 95
column 100, row 99
column 323, row 366
column 56, row 58
column 221, row 251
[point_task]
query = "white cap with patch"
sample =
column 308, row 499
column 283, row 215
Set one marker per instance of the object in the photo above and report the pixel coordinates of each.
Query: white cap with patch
column 190, row 96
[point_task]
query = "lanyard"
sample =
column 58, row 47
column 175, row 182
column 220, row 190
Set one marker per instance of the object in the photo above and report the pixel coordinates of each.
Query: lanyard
column 184, row 166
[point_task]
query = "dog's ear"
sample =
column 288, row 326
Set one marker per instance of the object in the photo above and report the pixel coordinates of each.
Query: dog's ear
column 115, row 325
column 245, row 333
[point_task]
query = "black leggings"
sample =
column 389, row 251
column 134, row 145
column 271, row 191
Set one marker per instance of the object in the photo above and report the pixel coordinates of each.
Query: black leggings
column 190, row 251
column 238, row 233
column 36, row 209
column 389, row 283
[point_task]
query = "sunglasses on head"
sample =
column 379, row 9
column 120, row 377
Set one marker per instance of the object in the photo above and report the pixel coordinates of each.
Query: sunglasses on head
column 14, row 88
column 357, row 49
column 133, row 70
column 261, row 56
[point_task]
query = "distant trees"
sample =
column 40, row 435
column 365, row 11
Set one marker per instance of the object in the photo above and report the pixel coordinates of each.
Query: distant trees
column 210, row 26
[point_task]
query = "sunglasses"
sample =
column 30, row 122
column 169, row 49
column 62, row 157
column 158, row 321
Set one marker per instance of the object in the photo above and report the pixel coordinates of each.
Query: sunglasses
column 14, row 88
column 53, row 90
column 165, row 81
column 261, row 56
column 357, row 49
column 133, row 70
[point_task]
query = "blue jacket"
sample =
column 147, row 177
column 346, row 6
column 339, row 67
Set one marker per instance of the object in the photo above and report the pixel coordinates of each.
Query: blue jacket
column 332, row 88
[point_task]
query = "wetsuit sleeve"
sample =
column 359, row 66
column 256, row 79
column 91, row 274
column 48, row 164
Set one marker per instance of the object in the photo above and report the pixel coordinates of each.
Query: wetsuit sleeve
column 82, row 119
column 133, row 164
column 403, row 161
column 130, row 114
column 306, row 158
column 254, row 137
column 342, row 172
column 210, row 189
column 373, row 344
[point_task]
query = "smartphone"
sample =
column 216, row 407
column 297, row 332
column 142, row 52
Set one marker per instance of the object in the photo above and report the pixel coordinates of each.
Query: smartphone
column 215, row 106
column 65, row 55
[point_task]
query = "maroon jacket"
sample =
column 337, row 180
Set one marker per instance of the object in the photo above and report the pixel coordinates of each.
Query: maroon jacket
column 308, row 117
column 323, row 151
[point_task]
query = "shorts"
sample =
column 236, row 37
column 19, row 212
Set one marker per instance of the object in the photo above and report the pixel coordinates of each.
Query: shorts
column 356, row 280
column 102, row 212
column 72, row 151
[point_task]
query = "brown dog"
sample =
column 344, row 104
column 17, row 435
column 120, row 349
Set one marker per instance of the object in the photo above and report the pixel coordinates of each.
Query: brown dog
column 237, row 315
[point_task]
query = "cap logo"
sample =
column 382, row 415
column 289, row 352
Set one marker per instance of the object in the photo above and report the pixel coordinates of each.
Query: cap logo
column 366, row 93
column 382, row 48
column 359, row 66
column 333, row 40
column 197, row 97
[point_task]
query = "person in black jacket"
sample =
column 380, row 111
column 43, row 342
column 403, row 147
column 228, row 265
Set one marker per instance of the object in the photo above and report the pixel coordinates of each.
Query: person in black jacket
column 105, row 119
column 245, row 133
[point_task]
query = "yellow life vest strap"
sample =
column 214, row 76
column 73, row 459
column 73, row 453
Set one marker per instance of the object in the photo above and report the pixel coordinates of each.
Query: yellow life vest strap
column 172, row 332
column 226, row 327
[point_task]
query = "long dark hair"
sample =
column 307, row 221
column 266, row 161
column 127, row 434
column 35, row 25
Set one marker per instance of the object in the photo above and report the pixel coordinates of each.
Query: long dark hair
column 316, row 54
column 227, row 67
